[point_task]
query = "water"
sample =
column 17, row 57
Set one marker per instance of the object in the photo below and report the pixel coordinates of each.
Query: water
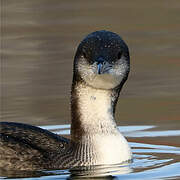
column 38, row 42
column 150, row 161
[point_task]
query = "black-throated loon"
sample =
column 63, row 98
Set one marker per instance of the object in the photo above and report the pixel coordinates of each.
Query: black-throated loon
column 101, row 66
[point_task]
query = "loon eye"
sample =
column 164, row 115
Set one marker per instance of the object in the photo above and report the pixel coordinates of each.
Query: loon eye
column 84, row 54
column 119, row 55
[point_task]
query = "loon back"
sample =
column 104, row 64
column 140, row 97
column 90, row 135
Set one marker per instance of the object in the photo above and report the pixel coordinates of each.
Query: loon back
column 27, row 147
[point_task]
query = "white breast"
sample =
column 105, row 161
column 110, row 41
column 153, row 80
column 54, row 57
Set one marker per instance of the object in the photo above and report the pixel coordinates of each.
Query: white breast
column 112, row 149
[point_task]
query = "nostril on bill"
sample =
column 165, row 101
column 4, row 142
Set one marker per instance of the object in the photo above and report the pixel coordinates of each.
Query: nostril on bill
column 99, row 68
column 100, row 62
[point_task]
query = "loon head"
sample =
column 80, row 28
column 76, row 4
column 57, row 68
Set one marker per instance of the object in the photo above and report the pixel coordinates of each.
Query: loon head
column 102, row 60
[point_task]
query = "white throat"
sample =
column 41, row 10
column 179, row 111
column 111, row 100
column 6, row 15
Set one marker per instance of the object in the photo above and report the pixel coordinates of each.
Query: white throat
column 96, row 111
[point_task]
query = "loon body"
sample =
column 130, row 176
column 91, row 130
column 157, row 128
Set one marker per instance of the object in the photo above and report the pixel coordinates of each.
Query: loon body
column 101, row 66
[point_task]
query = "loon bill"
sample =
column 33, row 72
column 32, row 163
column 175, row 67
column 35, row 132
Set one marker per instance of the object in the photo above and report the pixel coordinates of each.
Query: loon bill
column 101, row 67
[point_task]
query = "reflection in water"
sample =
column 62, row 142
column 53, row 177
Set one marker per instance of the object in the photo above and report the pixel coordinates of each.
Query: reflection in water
column 155, row 133
column 101, row 171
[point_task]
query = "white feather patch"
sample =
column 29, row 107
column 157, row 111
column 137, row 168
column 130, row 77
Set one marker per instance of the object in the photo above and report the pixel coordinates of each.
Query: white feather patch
column 96, row 118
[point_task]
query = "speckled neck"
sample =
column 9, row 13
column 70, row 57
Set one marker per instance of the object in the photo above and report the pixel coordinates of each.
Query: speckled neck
column 92, row 111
